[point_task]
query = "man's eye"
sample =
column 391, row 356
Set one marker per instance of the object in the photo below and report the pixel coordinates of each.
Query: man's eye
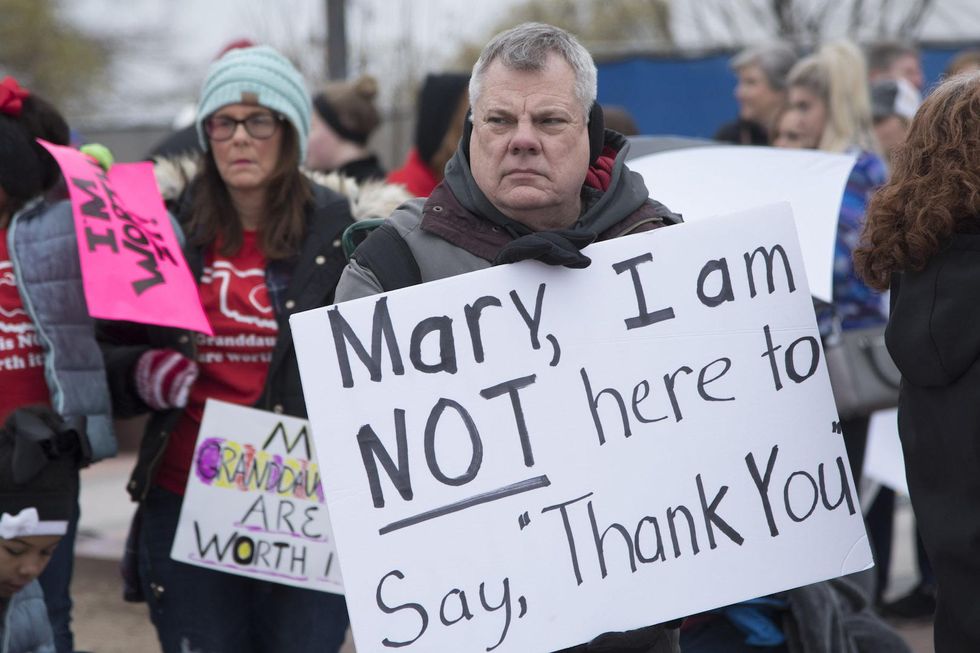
column 497, row 120
column 13, row 552
column 261, row 121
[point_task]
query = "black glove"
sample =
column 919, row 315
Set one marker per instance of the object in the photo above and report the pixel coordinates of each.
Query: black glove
column 41, row 435
column 642, row 640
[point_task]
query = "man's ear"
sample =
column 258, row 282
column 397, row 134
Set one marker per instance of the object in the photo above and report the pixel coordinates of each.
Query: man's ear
column 597, row 132
column 464, row 141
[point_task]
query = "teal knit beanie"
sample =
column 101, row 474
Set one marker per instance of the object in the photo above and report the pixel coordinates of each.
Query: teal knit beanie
column 256, row 75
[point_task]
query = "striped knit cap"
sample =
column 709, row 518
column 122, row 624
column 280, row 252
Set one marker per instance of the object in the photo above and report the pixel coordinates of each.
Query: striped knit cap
column 256, row 75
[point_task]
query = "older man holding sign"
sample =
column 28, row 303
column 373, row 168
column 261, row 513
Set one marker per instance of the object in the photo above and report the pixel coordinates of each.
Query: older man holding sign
column 523, row 458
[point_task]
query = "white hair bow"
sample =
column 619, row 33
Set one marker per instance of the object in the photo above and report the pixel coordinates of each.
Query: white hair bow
column 27, row 523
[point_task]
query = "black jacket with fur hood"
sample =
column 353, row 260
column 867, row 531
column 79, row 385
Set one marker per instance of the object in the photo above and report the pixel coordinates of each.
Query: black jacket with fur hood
column 313, row 277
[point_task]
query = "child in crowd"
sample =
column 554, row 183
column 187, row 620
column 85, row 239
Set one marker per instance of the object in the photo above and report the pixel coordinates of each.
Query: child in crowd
column 38, row 484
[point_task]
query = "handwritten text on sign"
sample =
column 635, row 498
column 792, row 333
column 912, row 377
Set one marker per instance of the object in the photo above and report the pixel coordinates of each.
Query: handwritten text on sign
column 254, row 503
column 524, row 457
column 701, row 182
column 132, row 265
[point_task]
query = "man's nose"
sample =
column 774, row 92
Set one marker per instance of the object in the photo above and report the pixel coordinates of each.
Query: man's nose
column 525, row 138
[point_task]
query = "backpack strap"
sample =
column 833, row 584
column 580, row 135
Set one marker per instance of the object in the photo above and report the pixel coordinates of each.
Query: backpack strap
column 386, row 254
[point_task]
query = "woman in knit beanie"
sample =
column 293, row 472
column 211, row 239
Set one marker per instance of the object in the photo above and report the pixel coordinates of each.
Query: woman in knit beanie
column 265, row 243
column 343, row 120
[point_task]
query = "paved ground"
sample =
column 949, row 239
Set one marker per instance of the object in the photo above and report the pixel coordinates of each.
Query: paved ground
column 106, row 624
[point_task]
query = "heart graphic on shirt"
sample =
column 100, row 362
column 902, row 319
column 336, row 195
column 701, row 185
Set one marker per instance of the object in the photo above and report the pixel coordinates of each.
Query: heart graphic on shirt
column 259, row 297
column 248, row 283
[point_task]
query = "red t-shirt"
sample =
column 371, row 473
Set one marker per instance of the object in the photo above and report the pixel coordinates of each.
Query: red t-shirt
column 234, row 361
column 21, row 355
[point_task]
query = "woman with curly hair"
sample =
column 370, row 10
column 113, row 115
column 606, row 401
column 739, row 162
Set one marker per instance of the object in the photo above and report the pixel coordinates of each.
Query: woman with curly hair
column 922, row 240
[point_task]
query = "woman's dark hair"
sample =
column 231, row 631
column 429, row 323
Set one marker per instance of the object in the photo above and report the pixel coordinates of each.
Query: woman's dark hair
column 28, row 168
column 20, row 167
column 213, row 216
column 934, row 190
column 42, row 120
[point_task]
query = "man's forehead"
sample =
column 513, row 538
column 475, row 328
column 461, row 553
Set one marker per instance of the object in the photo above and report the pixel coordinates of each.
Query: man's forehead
column 554, row 83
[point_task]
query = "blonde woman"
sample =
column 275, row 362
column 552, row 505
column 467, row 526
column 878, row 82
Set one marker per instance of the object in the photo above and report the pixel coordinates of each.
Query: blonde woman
column 831, row 108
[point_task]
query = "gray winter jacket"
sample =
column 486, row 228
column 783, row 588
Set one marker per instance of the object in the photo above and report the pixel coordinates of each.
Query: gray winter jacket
column 41, row 240
column 448, row 234
column 25, row 627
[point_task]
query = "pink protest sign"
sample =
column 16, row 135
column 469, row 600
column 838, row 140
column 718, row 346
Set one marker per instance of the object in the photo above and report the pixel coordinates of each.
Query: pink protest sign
column 132, row 265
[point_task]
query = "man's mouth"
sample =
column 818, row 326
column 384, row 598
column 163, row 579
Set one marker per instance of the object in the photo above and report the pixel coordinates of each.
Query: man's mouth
column 523, row 172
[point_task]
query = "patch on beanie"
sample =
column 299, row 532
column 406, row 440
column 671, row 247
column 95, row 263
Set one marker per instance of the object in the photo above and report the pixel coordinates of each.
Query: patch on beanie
column 250, row 97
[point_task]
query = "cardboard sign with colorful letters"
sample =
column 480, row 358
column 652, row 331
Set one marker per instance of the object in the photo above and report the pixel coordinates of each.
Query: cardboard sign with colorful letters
column 254, row 503
column 132, row 265
column 521, row 458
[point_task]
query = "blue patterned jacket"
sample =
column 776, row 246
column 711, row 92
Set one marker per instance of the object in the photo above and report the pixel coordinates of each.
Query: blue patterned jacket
column 855, row 304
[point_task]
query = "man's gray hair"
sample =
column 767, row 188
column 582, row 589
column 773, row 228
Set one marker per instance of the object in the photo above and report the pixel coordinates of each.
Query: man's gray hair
column 774, row 59
column 882, row 54
column 526, row 47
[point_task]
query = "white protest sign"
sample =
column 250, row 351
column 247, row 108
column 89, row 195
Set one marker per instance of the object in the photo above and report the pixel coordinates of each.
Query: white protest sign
column 706, row 181
column 883, row 460
column 254, row 503
column 521, row 458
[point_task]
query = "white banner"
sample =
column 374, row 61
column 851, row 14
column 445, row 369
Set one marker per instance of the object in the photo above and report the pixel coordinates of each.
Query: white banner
column 884, row 461
column 706, row 181
column 254, row 504
column 524, row 457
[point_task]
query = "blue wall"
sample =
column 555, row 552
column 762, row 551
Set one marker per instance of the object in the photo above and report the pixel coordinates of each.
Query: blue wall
column 688, row 97
column 934, row 61
column 693, row 97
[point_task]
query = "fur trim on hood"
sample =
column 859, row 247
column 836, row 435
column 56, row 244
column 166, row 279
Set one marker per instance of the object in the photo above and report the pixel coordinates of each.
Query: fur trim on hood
column 373, row 199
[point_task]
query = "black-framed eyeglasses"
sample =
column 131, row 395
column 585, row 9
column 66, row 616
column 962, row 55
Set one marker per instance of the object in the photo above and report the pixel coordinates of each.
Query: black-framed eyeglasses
column 257, row 125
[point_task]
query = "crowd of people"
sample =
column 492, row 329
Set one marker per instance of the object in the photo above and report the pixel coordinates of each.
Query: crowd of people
column 520, row 162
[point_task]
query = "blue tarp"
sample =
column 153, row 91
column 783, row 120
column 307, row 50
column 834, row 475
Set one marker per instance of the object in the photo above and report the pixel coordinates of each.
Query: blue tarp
column 693, row 96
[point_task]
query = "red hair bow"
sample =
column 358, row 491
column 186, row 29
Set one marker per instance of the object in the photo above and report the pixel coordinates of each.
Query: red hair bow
column 11, row 96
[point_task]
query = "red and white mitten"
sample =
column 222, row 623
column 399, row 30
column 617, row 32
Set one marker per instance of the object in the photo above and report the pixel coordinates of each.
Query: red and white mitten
column 164, row 378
